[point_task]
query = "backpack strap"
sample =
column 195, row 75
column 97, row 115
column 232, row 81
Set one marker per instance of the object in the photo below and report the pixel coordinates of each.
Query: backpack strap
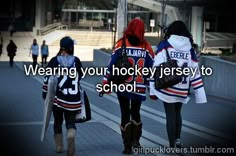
column 167, row 54
column 123, row 47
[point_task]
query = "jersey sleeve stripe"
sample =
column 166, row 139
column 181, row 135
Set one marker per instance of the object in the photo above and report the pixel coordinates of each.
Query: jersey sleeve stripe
column 199, row 78
column 179, row 89
column 176, row 92
column 171, row 94
column 198, row 87
column 197, row 83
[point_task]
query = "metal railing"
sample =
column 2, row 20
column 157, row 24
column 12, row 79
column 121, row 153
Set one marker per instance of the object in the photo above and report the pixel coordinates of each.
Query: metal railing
column 51, row 27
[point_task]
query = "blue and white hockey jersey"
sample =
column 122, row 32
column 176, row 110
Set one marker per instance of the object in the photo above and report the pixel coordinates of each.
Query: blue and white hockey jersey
column 180, row 49
column 68, row 88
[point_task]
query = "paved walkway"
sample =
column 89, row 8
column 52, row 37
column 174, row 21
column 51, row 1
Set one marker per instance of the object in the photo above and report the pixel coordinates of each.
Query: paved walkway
column 21, row 112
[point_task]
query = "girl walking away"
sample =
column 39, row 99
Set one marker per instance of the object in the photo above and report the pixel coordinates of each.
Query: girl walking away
column 34, row 49
column 11, row 51
column 44, row 53
column 139, row 53
column 178, row 43
column 67, row 100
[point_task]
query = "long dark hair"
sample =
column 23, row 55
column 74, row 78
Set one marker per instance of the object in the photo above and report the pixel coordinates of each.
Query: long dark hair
column 178, row 28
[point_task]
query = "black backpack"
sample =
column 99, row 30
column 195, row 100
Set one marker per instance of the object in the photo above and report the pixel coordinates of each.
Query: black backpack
column 122, row 62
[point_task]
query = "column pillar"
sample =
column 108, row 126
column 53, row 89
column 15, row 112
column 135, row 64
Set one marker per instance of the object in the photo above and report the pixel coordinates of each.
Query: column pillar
column 49, row 12
column 77, row 16
column 69, row 19
column 121, row 17
column 39, row 16
column 197, row 24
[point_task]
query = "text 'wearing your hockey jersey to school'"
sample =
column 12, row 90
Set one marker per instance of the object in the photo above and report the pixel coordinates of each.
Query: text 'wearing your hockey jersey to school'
column 179, row 48
column 68, row 89
column 143, row 57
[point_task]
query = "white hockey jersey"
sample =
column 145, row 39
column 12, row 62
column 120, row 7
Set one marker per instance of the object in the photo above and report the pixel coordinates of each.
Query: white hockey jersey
column 180, row 49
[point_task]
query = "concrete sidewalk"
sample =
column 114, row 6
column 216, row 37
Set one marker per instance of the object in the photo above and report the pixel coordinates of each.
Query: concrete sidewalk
column 21, row 115
column 22, row 111
column 21, row 122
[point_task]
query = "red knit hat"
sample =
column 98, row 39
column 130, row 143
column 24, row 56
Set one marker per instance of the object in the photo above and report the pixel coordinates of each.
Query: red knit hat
column 135, row 28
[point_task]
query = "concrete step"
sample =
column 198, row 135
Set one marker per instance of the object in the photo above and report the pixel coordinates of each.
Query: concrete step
column 87, row 38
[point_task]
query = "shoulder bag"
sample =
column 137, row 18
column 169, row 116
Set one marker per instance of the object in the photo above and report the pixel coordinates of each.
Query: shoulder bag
column 166, row 80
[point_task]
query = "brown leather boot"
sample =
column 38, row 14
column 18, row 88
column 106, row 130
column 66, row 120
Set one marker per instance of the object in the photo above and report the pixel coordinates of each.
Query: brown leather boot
column 58, row 138
column 127, row 138
column 136, row 133
column 71, row 142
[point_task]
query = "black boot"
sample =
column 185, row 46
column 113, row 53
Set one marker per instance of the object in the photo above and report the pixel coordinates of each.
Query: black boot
column 126, row 133
column 136, row 133
column 178, row 143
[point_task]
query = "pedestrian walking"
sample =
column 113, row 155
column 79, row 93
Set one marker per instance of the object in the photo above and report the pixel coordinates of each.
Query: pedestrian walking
column 67, row 100
column 44, row 52
column 130, row 102
column 178, row 44
column 11, row 51
column 11, row 29
column 34, row 50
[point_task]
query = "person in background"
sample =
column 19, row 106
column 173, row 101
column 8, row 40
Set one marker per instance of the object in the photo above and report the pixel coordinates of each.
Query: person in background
column 11, row 51
column 34, row 50
column 44, row 53
column 178, row 43
column 11, row 28
column 67, row 100
column 130, row 102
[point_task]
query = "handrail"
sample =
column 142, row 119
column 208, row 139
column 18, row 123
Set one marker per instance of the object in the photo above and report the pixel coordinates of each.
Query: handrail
column 51, row 27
